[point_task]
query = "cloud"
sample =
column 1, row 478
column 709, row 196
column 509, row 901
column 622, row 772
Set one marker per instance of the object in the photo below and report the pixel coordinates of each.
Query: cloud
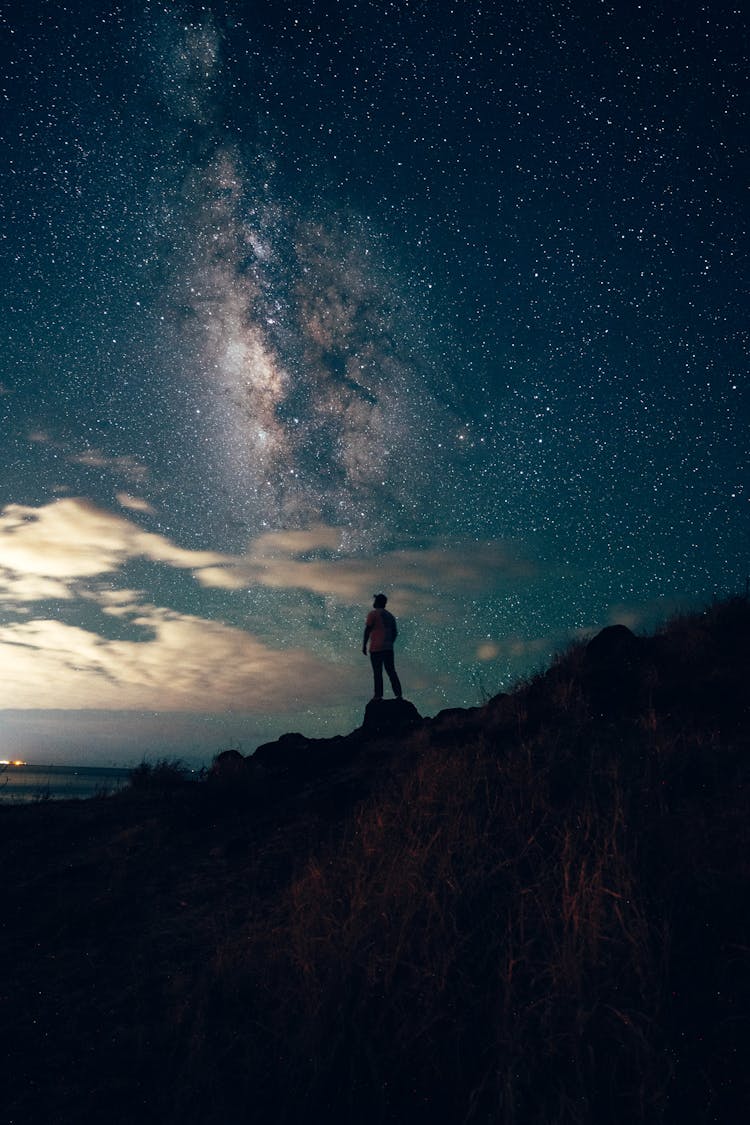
column 178, row 661
column 517, row 648
column 125, row 466
column 299, row 542
column 184, row 663
column 117, row 603
column 314, row 560
column 135, row 504
column 17, row 587
column 181, row 662
column 72, row 538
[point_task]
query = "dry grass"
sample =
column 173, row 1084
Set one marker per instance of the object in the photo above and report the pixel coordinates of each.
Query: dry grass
column 540, row 917
column 467, row 952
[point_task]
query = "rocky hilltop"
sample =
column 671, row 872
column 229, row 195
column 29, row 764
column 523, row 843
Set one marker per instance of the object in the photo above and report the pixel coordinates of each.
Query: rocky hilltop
column 535, row 910
column 617, row 679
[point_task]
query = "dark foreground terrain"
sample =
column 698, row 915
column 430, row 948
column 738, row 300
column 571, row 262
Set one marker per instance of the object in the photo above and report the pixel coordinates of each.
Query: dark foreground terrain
column 536, row 911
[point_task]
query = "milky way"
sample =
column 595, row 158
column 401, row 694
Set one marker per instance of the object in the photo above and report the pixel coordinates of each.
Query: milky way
column 319, row 395
column 302, row 341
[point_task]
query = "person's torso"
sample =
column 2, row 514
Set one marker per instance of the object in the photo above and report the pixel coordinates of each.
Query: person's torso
column 383, row 630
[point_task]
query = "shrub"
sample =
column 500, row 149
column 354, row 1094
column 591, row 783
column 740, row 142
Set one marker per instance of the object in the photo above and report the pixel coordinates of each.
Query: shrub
column 161, row 778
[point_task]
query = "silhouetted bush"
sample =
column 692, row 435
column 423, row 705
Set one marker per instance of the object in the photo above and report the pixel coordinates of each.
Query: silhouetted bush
column 159, row 779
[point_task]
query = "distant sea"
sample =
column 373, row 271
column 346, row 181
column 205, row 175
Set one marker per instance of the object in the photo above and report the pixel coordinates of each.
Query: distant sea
column 19, row 784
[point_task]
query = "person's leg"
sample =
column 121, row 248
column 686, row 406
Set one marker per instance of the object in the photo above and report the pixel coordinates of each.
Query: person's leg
column 376, row 659
column 390, row 667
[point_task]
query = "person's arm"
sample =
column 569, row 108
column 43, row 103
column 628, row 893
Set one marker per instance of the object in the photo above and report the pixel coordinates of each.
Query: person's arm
column 368, row 630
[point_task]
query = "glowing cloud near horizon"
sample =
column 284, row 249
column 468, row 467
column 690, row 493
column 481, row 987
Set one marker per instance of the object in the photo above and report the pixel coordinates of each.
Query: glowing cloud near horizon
column 72, row 552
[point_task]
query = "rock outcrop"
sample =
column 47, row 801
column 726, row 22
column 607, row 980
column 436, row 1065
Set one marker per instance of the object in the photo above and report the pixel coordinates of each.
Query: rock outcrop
column 390, row 717
column 615, row 671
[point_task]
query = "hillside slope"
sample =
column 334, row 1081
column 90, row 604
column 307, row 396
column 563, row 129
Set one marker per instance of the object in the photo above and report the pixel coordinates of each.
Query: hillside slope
column 532, row 911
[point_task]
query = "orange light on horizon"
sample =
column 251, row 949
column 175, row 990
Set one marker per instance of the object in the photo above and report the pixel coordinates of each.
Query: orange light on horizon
column 14, row 762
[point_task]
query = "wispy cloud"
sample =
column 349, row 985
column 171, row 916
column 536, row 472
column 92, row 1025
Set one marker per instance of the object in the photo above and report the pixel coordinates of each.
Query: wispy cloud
column 66, row 551
column 123, row 466
column 135, row 504
column 73, row 538
column 181, row 661
column 314, row 560
column 15, row 587
column 184, row 663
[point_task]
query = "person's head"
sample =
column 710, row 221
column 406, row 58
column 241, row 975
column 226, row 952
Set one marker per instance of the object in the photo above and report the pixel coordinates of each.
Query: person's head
column 379, row 601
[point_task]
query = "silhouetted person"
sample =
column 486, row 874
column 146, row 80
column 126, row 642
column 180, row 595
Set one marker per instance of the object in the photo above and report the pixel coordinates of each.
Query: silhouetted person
column 381, row 631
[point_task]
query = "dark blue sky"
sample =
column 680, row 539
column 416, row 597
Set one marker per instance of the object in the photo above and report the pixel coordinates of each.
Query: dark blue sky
column 305, row 301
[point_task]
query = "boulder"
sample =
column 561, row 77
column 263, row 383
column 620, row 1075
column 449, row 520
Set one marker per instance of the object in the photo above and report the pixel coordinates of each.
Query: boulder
column 228, row 763
column 288, row 751
column 615, row 672
column 461, row 714
column 614, row 646
column 390, row 717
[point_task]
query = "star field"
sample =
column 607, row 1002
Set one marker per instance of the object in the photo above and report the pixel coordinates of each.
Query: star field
column 304, row 301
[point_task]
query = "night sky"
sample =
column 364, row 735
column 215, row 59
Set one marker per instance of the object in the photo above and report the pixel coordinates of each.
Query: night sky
column 302, row 302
